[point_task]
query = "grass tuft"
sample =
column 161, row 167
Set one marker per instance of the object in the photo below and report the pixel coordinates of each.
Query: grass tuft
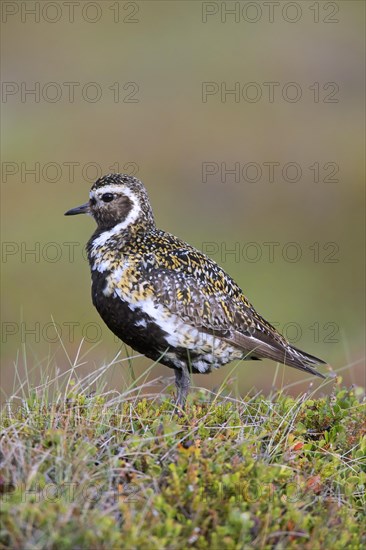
column 82, row 467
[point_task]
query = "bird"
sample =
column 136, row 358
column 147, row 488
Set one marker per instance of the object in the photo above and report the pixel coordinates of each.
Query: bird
column 168, row 300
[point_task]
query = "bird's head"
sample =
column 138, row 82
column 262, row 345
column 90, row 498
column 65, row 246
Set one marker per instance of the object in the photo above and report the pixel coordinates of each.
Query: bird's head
column 117, row 199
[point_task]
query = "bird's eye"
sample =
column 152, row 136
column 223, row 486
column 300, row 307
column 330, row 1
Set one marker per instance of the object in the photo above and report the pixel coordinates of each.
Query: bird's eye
column 107, row 197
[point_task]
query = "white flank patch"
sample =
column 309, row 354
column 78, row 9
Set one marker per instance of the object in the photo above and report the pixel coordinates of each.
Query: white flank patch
column 169, row 323
column 141, row 323
column 202, row 366
column 178, row 333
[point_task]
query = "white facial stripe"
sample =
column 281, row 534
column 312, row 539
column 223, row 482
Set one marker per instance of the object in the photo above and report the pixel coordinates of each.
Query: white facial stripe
column 95, row 193
column 131, row 217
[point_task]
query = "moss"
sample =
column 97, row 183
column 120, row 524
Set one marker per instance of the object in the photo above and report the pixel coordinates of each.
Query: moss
column 256, row 472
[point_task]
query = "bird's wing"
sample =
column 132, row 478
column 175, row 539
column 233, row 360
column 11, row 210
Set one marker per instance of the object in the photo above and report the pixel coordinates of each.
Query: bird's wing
column 194, row 287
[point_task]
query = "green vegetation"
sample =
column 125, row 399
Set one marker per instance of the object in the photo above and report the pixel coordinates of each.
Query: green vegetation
column 82, row 469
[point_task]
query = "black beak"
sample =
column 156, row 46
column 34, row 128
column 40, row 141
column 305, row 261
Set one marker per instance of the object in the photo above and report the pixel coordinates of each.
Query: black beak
column 83, row 209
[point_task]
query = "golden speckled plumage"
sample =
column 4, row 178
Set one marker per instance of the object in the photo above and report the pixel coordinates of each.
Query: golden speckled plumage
column 167, row 299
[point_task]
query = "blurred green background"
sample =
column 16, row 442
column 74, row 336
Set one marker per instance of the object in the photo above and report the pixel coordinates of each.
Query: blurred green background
column 122, row 86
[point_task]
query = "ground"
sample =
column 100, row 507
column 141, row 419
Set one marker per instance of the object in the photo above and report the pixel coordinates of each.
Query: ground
column 104, row 470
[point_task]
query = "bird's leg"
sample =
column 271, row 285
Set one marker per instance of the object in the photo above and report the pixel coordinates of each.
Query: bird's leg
column 182, row 381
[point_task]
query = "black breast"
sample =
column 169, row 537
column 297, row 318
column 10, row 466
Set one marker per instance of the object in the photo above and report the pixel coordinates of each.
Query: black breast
column 133, row 327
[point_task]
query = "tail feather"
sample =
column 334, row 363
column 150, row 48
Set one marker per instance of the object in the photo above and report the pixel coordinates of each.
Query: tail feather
column 279, row 351
column 303, row 361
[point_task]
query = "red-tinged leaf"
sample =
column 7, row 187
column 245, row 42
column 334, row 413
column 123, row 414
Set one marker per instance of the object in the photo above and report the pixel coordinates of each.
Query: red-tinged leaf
column 314, row 484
